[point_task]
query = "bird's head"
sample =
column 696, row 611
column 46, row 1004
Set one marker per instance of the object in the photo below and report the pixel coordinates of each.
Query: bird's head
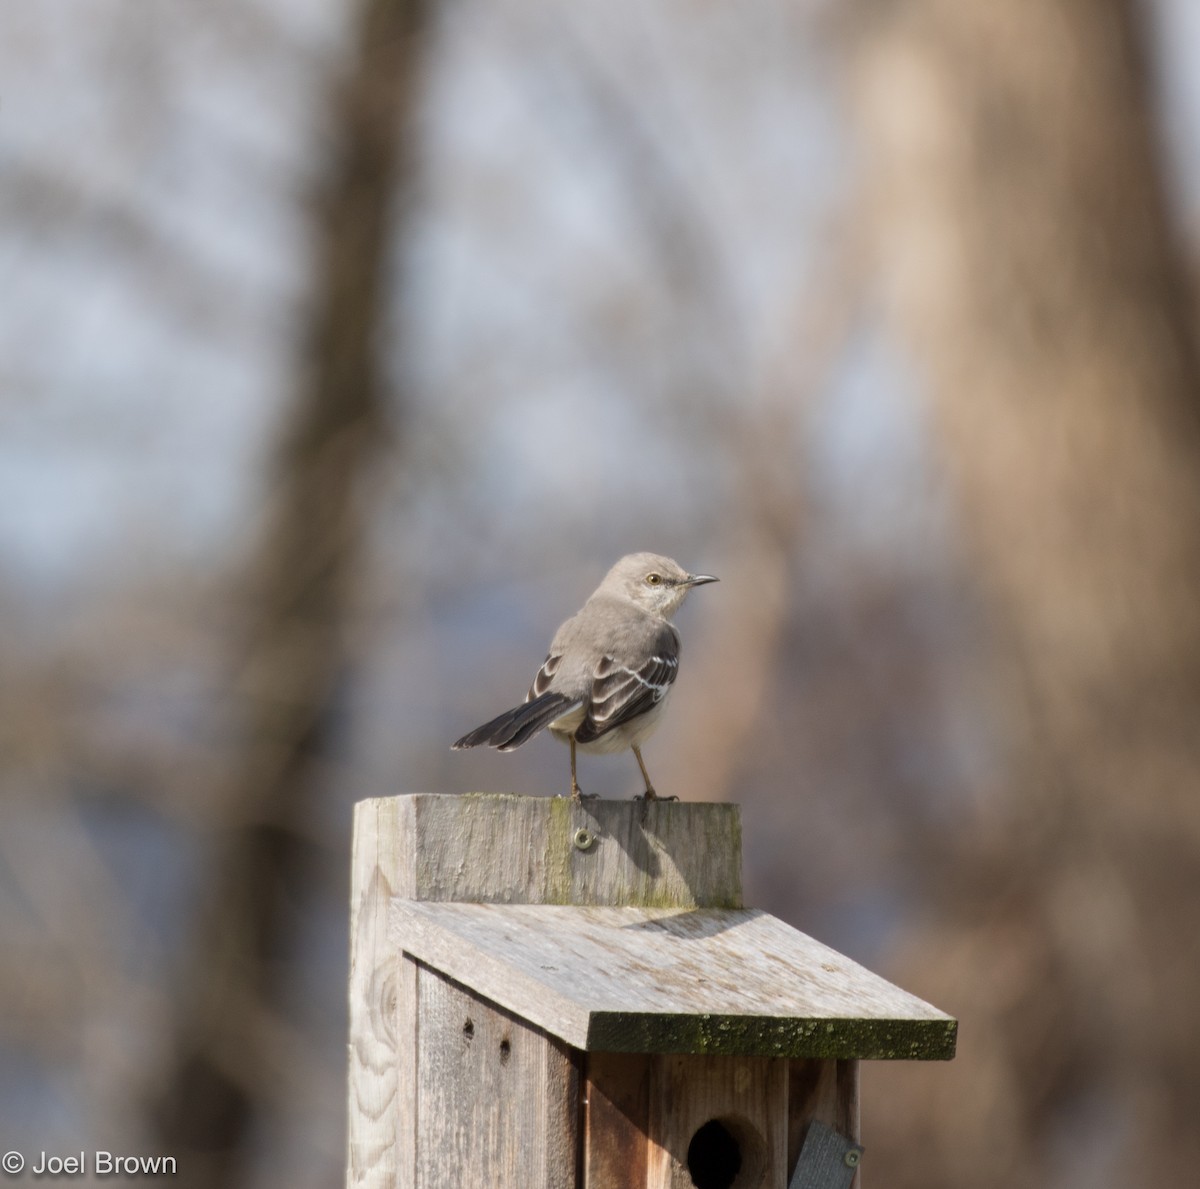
column 656, row 584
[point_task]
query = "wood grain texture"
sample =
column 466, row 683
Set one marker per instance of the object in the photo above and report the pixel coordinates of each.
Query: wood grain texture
column 662, row 980
column 828, row 1160
column 617, row 1120
column 499, row 848
column 827, row 1091
column 745, row 1095
column 497, row 1101
column 406, row 1033
column 377, row 871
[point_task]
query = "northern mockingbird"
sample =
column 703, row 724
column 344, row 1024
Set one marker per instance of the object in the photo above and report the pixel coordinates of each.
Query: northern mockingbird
column 604, row 685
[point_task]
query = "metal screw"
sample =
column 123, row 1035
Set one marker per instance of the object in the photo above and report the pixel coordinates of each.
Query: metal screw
column 852, row 1157
column 584, row 839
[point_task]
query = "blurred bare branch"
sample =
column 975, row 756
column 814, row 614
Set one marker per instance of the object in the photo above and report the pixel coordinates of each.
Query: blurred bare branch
column 1029, row 257
column 219, row 1061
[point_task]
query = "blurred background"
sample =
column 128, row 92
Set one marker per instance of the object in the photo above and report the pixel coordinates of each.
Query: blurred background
column 345, row 346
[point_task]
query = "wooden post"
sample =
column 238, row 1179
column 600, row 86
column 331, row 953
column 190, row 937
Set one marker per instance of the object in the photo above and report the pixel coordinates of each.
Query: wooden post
column 380, row 867
column 511, row 850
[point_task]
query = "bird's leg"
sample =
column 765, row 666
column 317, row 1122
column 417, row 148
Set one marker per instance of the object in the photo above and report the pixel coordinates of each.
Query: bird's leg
column 576, row 791
column 650, row 794
column 577, row 794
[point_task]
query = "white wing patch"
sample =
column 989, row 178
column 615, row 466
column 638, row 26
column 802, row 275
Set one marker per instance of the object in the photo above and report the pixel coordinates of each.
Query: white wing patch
column 541, row 683
column 620, row 693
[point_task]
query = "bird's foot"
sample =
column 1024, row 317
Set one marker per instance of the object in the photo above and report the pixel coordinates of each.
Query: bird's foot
column 651, row 795
column 577, row 794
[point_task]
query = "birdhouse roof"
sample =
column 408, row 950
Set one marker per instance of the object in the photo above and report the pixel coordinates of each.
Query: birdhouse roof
column 670, row 980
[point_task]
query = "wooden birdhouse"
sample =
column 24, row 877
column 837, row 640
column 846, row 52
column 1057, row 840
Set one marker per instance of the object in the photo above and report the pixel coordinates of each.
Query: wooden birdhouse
column 571, row 995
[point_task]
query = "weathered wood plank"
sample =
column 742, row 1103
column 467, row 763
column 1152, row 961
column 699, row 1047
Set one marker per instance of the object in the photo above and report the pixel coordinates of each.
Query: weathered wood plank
column 826, row 1091
column 739, row 1098
column 377, row 873
column 498, row 1101
column 405, row 1023
column 662, row 980
column 828, row 1160
column 848, row 1119
column 617, row 1120
column 497, row 848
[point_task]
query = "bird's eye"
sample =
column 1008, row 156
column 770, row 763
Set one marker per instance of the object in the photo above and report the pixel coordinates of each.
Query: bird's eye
column 653, row 579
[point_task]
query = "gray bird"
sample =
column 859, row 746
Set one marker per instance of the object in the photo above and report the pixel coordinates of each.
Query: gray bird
column 604, row 685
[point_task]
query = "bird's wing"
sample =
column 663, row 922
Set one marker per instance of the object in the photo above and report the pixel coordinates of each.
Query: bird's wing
column 545, row 675
column 509, row 730
column 627, row 683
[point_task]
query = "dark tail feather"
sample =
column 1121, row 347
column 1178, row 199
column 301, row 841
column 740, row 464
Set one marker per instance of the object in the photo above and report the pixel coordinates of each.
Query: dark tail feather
column 514, row 726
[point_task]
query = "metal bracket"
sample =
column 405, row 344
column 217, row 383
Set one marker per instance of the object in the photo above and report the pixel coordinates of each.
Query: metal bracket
column 827, row 1160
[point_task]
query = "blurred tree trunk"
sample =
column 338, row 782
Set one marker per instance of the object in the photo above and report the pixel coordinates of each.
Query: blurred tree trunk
column 223, row 1064
column 1025, row 241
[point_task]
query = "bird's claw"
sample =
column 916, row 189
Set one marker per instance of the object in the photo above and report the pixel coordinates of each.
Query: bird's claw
column 651, row 795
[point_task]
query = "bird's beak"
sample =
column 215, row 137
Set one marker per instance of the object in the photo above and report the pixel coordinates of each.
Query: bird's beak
column 699, row 579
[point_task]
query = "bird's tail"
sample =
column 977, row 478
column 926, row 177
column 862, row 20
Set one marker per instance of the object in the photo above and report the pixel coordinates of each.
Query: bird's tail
column 510, row 729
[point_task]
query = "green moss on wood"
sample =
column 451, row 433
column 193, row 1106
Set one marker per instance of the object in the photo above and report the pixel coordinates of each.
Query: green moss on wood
column 844, row 1039
column 559, row 847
